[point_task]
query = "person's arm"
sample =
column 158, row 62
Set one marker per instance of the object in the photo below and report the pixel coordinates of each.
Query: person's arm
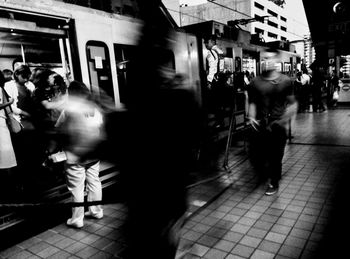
column 252, row 110
column 212, row 62
column 4, row 105
column 291, row 108
column 55, row 102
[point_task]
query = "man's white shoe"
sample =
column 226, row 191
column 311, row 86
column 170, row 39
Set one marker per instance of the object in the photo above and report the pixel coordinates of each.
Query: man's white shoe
column 98, row 215
column 75, row 223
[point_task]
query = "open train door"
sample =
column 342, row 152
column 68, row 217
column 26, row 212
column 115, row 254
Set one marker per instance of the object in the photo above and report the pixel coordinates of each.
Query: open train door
column 37, row 39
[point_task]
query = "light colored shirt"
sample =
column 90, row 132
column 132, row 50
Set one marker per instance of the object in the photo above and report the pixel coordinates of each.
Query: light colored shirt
column 305, row 79
column 12, row 91
column 213, row 57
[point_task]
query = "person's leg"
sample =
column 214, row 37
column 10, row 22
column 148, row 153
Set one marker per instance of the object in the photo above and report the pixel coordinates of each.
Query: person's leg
column 257, row 153
column 75, row 175
column 94, row 190
column 278, row 143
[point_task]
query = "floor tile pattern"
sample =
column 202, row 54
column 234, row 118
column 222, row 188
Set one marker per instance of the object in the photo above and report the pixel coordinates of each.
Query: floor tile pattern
column 230, row 217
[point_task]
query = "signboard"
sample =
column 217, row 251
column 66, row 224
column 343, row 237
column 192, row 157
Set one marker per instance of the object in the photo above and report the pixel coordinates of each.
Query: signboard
column 341, row 26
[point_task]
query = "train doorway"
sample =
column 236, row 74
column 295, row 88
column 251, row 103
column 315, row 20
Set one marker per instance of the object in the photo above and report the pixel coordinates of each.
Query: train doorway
column 35, row 39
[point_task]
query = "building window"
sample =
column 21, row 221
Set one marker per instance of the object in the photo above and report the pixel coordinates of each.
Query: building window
column 272, row 24
column 259, row 6
column 283, row 38
column 259, row 31
column 272, row 35
column 283, row 19
column 283, row 28
column 272, row 13
column 259, row 18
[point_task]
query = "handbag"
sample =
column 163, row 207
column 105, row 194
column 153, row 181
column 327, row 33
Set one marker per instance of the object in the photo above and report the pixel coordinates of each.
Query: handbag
column 335, row 96
column 13, row 125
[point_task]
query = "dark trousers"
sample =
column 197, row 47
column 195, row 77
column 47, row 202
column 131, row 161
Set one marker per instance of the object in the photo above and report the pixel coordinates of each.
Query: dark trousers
column 266, row 150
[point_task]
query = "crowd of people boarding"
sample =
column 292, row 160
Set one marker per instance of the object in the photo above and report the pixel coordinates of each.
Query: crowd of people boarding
column 61, row 121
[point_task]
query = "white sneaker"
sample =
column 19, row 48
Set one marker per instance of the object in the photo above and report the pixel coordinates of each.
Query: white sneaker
column 75, row 223
column 98, row 215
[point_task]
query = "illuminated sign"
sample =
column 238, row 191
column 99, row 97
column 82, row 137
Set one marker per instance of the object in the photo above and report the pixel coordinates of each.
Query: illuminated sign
column 346, row 87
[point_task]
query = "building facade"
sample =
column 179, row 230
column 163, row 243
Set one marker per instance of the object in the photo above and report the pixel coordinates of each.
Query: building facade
column 272, row 28
column 309, row 51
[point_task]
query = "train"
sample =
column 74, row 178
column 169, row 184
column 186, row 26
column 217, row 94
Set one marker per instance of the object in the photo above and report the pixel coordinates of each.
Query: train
column 88, row 43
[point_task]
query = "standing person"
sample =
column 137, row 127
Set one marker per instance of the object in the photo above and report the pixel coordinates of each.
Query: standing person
column 333, row 89
column 7, row 154
column 18, row 90
column 8, row 75
column 81, row 124
column 303, row 81
column 271, row 105
column 215, row 79
column 318, row 87
column 24, row 142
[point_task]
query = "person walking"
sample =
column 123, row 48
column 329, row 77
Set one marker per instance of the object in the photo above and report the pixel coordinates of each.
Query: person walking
column 80, row 125
column 271, row 106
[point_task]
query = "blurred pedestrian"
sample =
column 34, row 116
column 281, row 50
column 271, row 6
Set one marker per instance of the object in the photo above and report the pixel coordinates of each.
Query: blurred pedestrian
column 81, row 124
column 271, row 106
column 160, row 120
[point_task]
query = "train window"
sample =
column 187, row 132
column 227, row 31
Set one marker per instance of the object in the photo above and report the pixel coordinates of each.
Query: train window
column 165, row 58
column 279, row 67
column 122, row 57
column 99, row 67
column 287, row 68
column 249, row 62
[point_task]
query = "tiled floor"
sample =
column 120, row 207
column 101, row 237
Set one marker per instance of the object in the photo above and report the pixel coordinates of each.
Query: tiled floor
column 303, row 220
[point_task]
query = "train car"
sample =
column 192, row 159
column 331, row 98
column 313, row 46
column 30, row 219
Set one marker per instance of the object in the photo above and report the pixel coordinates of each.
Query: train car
column 84, row 44
column 241, row 55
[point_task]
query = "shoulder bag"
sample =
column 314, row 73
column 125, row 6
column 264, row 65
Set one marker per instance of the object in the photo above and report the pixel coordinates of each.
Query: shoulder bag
column 13, row 125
